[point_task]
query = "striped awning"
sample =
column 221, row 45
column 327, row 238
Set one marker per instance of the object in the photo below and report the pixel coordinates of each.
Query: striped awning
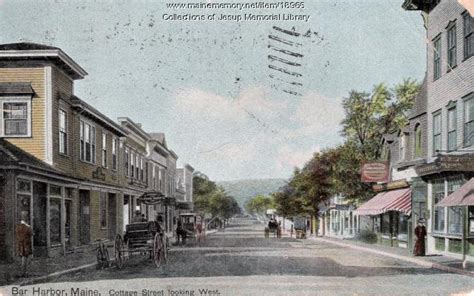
column 464, row 196
column 395, row 200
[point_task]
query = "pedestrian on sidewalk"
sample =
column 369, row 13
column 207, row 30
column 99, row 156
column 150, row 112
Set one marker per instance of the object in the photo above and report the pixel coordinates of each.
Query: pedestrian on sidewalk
column 420, row 233
column 23, row 236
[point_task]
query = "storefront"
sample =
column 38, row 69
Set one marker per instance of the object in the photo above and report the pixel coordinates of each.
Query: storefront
column 389, row 214
column 460, row 205
column 446, row 221
column 46, row 198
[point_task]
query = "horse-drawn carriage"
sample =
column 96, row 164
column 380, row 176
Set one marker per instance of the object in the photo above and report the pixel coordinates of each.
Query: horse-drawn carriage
column 141, row 238
column 273, row 228
column 299, row 223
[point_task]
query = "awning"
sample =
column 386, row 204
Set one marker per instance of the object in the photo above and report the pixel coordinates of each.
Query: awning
column 395, row 200
column 464, row 196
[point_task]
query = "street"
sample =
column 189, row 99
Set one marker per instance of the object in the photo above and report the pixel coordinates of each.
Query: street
column 240, row 261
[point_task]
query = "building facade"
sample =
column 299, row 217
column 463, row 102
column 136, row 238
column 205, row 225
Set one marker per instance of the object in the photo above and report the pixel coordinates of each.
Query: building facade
column 73, row 197
column 450, row 113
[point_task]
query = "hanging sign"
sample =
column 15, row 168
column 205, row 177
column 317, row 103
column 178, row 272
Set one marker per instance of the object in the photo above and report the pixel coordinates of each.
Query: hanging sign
column 376, row 171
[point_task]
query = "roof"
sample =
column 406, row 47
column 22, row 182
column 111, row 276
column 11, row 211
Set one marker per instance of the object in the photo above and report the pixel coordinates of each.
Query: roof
column 34, row 51
column 398, row 200
column 26, row 46
column 424, row 5
column 91, row 111
column 464, row 196
column 16, row 88
column 12, row 155
column 421, row 101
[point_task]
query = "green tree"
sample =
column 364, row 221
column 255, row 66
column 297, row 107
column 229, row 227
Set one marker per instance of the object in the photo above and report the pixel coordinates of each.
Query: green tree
column 259, row 204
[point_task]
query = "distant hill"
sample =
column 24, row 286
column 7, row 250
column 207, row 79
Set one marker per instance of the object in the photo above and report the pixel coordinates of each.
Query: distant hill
column 243, row 190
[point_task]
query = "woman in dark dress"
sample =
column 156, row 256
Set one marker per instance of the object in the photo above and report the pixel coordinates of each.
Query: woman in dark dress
column 420, row 233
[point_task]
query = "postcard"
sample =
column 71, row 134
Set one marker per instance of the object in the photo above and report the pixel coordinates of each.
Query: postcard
column 236, row 147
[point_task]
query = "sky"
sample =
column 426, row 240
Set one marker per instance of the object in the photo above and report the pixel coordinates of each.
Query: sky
column 218, row 89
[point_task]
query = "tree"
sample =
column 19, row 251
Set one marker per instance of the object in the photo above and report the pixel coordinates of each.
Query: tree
column 212, row 199
column 259, row 204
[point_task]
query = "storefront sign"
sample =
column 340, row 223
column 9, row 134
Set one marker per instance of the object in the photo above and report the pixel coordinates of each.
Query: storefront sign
column 390, row 185
column 447, row 163
column 376, row 171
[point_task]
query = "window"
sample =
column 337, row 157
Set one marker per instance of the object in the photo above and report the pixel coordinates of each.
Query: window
column 451, row 47
column 137, row 166
column 438, row 194
column 469, row 121
column 402, row 145
column 142, row 177
column 114, row 153
column 452, row 135
column 104, row 150
column 103, row 210
column 87, row 143
column 126, row 159
column 454, row 213
column 16, row 117
column 55, row 214
column 62, row 132
column 437, row 58
column 418, row 148
column 436, row 132
column 468, row 35
column 153, row 176
column 132, row 158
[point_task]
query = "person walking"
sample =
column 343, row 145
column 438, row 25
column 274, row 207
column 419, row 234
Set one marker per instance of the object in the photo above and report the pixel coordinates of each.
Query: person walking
column 23, row 237
column 420, row 233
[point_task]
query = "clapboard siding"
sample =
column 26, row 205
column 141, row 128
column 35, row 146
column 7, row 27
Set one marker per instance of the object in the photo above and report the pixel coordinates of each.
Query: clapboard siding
column 36, row 76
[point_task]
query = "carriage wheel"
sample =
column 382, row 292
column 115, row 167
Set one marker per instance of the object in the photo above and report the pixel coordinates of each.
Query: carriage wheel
column 157, row 250
column 118, row 247
column 165, row 249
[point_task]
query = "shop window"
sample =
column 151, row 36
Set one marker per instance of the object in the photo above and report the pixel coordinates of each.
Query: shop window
column 55, row 220
column 103, row 210
column 16, row 117
column 454, row 213
column 403, row 228
column 440, row 244
column 455, row 246
column 386, row 228
column 438, row 194
column 24, row 199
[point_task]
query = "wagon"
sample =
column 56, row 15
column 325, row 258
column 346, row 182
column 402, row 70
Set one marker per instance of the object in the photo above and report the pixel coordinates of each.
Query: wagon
column 141, row 238
column 273, row 228
column 300, row 226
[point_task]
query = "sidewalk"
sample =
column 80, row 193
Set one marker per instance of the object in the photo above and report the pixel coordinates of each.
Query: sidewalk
column 42, row 268
column 440, row 262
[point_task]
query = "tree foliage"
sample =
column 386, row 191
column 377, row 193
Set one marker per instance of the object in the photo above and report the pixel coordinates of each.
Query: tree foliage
column 259, row 204
column 368, row 116
column 209, row 198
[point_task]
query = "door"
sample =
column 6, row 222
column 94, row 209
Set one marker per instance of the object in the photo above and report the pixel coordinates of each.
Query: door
column 126, row 211
column 112, row 215
column 84, row 217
